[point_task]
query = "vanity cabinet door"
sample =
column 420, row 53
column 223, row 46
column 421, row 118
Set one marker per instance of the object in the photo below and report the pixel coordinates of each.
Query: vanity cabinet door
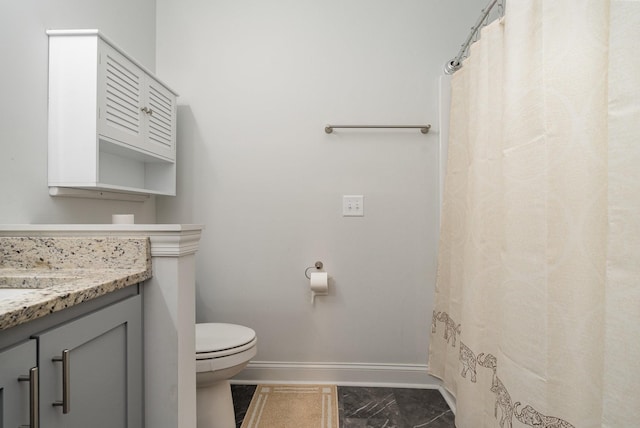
column 15, row 389
column 91, row 368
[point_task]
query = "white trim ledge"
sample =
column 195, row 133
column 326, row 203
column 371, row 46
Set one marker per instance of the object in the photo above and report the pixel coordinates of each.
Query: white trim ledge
column 167, row 240
column 70, row 192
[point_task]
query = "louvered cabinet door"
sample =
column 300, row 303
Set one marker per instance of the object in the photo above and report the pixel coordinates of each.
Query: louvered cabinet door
column 161, row 120
column 121, row 86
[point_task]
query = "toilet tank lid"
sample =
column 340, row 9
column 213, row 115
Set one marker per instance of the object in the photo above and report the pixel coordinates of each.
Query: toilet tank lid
column 212, row 337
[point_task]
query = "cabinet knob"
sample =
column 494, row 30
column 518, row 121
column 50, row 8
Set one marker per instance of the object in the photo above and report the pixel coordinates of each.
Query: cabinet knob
column 146, row 110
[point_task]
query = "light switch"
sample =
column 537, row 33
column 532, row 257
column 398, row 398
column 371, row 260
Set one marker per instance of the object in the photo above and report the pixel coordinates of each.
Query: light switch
column 353, row 206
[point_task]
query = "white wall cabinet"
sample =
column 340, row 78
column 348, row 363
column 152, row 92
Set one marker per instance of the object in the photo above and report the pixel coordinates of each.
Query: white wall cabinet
column 99, row 383
column 112, row 123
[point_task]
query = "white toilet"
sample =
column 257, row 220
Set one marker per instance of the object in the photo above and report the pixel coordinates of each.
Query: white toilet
column 222, row 351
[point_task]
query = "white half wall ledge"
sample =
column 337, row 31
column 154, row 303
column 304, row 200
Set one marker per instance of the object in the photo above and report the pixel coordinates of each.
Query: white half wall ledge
column 64, row 229
column 167, row 240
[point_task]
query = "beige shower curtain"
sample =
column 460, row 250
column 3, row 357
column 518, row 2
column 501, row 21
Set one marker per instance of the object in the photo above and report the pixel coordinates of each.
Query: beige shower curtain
column 537, row 312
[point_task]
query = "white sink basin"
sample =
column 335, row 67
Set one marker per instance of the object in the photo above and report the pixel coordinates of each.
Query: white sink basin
column 16, row 285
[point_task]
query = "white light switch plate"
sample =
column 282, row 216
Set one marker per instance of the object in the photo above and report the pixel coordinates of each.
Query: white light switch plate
column 353, row 206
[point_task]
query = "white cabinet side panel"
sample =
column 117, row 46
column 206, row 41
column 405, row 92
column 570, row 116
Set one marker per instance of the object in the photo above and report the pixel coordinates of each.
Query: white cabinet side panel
column 72, row 110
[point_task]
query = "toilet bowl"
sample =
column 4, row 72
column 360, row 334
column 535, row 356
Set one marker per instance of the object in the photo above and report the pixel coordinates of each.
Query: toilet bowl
column 222, row 351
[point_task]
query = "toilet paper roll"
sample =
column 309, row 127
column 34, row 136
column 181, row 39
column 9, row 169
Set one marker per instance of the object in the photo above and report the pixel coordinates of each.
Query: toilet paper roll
column 122, row 218
column 319, row 284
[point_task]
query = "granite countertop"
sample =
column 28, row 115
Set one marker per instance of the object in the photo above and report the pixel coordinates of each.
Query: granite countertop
column 42, row 275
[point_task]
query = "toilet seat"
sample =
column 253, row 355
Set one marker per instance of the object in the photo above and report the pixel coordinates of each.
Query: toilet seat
column 222, row 351
column 216, row 340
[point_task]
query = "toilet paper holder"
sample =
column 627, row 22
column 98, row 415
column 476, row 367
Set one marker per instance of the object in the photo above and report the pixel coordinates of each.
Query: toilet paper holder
column 318, row 265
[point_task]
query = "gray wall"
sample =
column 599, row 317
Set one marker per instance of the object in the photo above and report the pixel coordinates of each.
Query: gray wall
column 258, row 82
column 24, row 196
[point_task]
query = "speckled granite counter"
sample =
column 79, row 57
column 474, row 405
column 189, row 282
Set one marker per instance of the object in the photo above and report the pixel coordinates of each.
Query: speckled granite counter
column 40, row 275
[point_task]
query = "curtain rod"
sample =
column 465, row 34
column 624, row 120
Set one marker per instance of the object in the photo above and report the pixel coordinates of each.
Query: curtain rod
column 453, row 65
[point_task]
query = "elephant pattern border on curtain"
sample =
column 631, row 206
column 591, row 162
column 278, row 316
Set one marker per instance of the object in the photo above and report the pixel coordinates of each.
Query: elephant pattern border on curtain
column 469, row 361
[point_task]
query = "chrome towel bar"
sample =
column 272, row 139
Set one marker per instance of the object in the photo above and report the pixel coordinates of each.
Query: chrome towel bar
column 423, row 128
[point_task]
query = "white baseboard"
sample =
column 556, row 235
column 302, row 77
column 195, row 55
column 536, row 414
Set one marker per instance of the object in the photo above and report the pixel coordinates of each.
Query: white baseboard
column 347, row 374
column 449, row 398
column 344, row 374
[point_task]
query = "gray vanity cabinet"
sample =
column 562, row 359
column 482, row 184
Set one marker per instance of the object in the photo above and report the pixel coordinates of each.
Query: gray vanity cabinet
column 91, row 368
column 15, row 388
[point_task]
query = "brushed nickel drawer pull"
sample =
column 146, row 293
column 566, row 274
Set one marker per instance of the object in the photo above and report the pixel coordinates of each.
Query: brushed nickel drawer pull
column 34, row 405
column 66, row 381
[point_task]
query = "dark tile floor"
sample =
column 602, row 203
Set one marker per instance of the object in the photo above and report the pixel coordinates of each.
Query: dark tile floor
column 374, row 407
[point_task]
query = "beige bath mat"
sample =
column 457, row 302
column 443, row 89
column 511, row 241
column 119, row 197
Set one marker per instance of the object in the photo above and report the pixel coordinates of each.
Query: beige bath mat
column 293, row 406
